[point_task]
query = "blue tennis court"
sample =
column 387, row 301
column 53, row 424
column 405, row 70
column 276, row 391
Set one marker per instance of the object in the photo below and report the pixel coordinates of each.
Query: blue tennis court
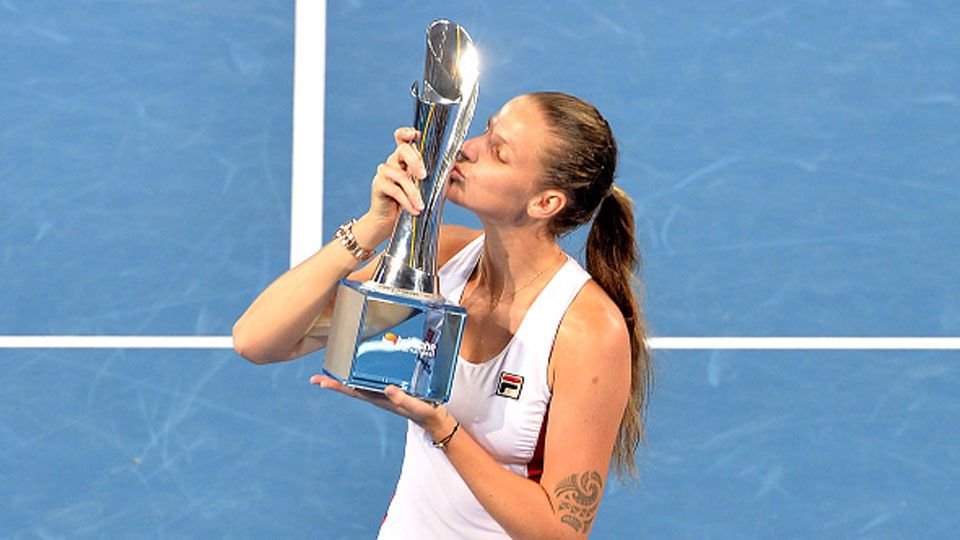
column 796, row 173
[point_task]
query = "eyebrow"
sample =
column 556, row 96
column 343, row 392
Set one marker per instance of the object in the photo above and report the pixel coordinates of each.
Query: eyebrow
column 497, row 136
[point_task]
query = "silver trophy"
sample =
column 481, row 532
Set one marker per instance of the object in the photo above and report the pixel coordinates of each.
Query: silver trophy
column 397, row 328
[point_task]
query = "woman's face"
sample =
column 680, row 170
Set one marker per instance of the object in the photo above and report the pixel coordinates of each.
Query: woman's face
column 500, row 170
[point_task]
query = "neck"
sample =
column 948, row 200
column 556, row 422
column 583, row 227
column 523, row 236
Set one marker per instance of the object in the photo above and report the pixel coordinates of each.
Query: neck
column 512, row 257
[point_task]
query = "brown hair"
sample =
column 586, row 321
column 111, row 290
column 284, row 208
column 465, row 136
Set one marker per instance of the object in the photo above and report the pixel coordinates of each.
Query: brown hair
column 583, row 165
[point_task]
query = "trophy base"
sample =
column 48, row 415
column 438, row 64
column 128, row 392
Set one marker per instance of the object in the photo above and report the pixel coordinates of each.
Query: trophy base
column 381, row 337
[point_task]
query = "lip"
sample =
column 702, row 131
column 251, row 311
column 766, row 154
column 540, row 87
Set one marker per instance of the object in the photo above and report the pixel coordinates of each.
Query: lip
column 456, row 173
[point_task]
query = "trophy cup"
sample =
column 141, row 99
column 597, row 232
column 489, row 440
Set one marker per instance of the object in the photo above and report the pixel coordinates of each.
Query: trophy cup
column 397, row 328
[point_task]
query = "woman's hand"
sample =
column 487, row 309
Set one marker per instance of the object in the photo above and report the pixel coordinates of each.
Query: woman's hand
column 396, row 186
column 434, row 420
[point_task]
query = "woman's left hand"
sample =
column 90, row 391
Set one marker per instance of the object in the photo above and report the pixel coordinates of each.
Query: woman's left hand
column 430, row 418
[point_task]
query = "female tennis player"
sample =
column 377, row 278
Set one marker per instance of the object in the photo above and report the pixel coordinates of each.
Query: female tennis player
column 554, row 374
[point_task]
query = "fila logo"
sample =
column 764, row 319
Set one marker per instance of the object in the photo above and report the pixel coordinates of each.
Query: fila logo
column 510, row 385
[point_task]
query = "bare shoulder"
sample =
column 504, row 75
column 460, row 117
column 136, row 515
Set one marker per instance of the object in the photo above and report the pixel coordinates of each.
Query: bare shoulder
column 593, row 317
column 454, row 238
column 593, row 334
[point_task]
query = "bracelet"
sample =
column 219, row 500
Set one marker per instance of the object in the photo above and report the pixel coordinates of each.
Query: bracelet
column 345, row 236
column 446, row 440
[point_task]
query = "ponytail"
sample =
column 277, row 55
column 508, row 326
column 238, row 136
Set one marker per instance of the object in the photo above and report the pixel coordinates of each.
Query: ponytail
column 584, row 164
column 613, row 261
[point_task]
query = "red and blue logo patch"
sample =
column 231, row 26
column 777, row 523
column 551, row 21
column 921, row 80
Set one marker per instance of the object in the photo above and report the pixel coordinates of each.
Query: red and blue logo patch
column 510, row 385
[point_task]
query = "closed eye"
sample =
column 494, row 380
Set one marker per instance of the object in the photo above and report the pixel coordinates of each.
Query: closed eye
column 496, row 147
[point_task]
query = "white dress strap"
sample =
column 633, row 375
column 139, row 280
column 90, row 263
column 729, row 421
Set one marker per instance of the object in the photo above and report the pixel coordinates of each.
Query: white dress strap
column 544, row 315
column 455, row 273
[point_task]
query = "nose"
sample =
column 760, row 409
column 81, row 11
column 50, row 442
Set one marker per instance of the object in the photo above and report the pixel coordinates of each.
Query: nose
column 468, row 152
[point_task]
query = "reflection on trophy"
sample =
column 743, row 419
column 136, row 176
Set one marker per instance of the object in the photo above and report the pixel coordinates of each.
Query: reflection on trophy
column 397, row 328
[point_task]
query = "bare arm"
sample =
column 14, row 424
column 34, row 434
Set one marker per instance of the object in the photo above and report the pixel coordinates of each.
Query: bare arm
column 591, row 383
column 293, row 314
column 287, row 319
column 291, row 317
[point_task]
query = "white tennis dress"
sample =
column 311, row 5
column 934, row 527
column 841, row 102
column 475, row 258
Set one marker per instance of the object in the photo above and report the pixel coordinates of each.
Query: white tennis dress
column 502, row 403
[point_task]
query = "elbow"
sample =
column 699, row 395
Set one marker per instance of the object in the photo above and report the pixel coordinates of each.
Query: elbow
column 553, row 533
column 245, row 346
column 558, row 532
column 563, row 532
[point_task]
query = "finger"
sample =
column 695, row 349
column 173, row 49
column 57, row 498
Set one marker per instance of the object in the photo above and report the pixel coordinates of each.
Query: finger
column 413, row 163
column 409, row 168
column 377, row 398
column 395, row 395
column 406, row 402
column 408, row 195
column 412, row 192
column 392, row 190
column 416, row 409
column 397, row 174
column 405, row 135
column 330, row 383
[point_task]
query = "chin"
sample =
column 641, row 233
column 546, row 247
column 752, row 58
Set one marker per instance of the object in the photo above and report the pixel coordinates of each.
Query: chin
column 457, row 201
column 454, row 189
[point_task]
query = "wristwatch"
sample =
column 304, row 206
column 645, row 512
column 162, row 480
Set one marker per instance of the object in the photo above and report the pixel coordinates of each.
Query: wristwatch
column 345, row 236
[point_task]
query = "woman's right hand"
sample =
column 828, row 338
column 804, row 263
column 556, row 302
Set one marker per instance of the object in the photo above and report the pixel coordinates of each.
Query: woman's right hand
column 395, row 185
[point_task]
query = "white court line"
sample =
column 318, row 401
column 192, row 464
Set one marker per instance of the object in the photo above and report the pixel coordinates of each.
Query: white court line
column 116, row 342
column 306, row 190
column 678, row 343
column 807, row 343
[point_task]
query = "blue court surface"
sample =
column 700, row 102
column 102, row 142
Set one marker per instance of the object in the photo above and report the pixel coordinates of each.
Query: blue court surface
column 796, row 172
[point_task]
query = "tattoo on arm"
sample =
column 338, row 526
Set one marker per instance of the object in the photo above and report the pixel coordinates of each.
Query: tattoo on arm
column 578, row 499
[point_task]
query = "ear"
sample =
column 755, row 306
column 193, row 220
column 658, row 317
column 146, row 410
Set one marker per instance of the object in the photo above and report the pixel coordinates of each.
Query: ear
column 546, row 204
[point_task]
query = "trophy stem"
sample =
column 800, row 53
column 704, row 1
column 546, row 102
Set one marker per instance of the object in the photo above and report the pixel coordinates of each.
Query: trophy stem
column 443, row 109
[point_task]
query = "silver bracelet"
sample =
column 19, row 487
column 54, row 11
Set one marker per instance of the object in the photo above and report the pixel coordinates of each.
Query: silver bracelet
column 345, row 236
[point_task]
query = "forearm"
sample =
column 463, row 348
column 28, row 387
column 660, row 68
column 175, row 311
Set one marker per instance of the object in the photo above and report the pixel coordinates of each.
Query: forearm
column 285, row 312
column 520, row 505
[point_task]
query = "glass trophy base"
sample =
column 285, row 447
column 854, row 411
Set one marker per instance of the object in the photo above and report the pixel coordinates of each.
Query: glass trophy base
column 381, row 336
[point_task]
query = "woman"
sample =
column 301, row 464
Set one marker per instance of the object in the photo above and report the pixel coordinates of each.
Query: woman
column 554, row 372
